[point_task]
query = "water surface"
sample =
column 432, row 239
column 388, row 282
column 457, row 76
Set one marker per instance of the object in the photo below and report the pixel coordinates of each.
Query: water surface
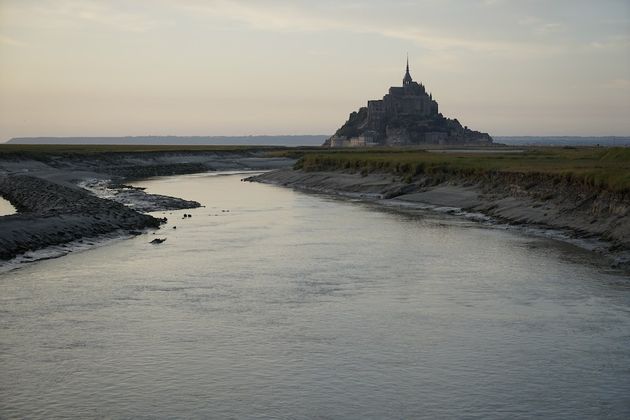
column 276, row 304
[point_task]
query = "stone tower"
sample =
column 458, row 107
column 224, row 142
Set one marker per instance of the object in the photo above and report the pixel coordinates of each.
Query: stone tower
column 407, row 79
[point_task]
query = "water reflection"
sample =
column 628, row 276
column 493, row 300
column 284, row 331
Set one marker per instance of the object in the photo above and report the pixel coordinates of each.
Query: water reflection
column 297, row 306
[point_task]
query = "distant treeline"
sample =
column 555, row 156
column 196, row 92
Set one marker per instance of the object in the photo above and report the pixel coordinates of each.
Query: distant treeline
column 300, row 140
column 293, row 140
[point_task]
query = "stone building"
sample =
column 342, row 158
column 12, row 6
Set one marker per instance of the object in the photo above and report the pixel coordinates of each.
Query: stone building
column 407, row 115
column 409, row 99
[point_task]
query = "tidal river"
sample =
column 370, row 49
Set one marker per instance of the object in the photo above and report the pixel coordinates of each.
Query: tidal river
column 271, row 303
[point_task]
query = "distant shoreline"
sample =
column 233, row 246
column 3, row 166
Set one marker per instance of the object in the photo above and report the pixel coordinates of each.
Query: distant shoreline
column 254, row 140
column 309, row 140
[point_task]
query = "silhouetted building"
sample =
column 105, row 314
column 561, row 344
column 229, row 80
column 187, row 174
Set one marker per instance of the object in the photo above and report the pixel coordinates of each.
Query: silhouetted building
column 407, row 115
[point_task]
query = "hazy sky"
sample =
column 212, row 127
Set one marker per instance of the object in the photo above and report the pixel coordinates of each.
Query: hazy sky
column 231, row 67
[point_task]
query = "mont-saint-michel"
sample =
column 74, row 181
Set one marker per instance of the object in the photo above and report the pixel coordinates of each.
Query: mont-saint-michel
column 190, row 228
column 408, row 115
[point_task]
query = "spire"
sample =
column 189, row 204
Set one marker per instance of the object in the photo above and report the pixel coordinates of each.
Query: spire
column 407, row 79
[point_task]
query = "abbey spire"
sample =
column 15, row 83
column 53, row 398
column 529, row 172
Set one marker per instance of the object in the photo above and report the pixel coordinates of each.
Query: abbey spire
column 407, row 79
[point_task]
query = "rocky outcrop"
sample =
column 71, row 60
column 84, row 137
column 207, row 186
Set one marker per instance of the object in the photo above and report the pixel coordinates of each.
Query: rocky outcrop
column 405, row 130
column 406, row 116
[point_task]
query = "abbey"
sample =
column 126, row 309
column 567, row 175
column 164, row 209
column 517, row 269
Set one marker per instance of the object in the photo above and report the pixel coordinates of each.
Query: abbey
column 407, row 115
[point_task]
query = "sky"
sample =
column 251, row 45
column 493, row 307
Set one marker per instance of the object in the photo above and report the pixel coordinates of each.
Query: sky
column 240, row 67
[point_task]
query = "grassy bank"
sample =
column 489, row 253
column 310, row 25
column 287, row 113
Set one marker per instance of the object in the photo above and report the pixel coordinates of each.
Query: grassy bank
column 594, row 167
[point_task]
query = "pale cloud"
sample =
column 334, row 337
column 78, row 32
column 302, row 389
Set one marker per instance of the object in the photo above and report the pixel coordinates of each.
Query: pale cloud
column 288, row 18
column 10, row 41
column 623, row 84
column 529, row 21
column 60, row 13
column 93, row 12
column 279, row 16
column 122, row 65
column 539, row 26
column 437, row 42
column 550, row 27
column 619, row 43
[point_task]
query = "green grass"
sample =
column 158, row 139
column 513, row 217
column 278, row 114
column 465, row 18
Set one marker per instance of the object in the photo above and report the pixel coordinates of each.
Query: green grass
column 595, row 167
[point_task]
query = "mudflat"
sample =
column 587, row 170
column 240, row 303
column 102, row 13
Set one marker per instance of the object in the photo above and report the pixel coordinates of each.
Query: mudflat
column 64, row 194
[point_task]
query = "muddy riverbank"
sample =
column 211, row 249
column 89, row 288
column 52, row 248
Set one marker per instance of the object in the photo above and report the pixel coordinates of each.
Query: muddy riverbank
column 594, row 219
column 62, row 198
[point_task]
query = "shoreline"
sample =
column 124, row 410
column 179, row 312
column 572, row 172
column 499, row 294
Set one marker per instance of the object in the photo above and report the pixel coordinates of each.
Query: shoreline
column 63, row 200
column 54, row 214
column 564, row 218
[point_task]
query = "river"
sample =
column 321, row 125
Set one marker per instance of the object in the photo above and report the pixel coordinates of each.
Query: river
column 271, row 303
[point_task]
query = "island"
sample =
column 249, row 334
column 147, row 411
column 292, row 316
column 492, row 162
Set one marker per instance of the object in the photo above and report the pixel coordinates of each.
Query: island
column 406, row 116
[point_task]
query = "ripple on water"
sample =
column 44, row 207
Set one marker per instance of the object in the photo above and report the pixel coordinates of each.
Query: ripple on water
column 299, row 306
